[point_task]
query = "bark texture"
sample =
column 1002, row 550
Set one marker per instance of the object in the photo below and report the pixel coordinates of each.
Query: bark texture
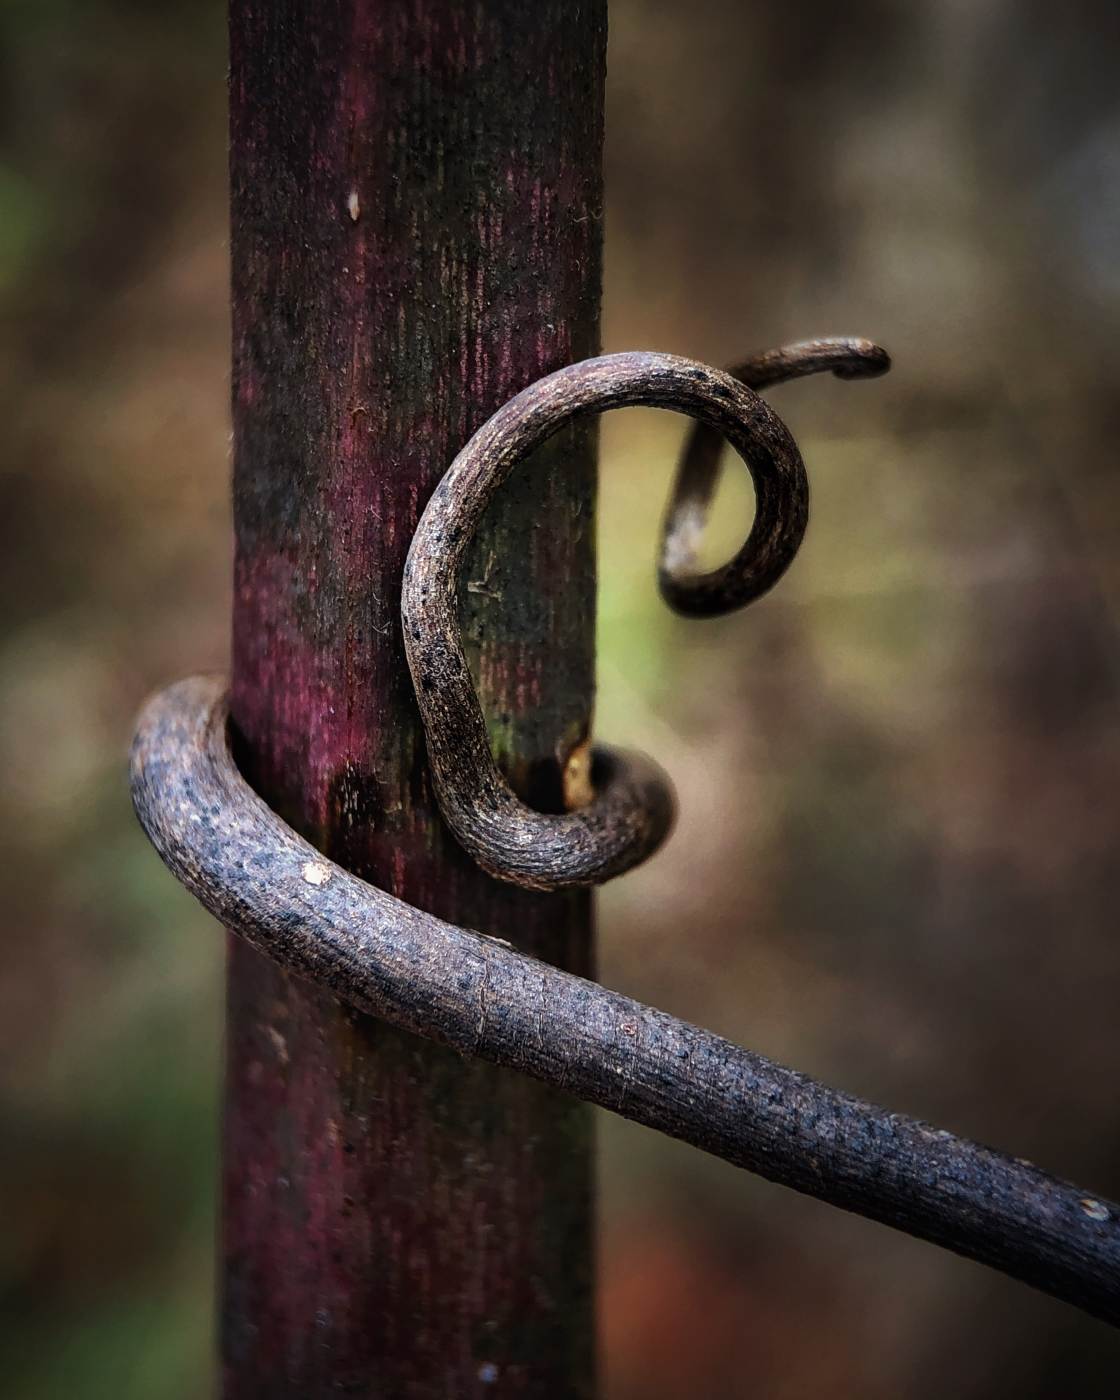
column 416, row 199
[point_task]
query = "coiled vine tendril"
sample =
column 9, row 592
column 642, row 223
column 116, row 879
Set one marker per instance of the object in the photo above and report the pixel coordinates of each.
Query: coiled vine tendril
column 460, row 988
column 632, row 808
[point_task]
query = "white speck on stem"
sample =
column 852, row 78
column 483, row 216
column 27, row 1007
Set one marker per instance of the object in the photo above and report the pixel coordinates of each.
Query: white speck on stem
column 279, row 1044
column 352, row 206
column 316, row 873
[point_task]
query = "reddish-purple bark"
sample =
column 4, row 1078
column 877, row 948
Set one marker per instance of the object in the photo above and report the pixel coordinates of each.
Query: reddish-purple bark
column 416, row 234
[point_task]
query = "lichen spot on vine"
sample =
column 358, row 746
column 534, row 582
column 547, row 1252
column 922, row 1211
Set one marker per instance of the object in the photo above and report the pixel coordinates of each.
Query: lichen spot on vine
column 316, row 872
column 578, row 790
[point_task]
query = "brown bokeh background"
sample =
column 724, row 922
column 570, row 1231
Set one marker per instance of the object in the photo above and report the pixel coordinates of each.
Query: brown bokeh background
column 898, row 774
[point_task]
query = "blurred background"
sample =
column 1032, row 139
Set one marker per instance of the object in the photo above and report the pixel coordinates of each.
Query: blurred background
column 898, row 775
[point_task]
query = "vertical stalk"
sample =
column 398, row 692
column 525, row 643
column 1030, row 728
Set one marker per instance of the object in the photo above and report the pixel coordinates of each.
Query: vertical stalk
column 416, row 196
